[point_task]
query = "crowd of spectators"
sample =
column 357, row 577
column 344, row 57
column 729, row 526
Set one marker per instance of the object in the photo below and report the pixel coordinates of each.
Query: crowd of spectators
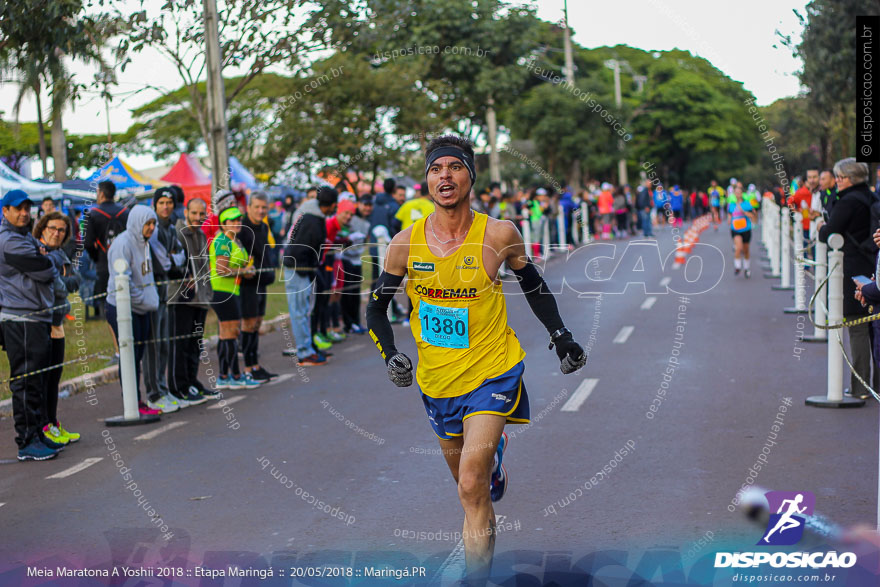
column 186, row 260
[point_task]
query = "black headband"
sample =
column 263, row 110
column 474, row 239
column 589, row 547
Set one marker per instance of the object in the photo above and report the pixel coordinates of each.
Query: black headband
column 452, row 151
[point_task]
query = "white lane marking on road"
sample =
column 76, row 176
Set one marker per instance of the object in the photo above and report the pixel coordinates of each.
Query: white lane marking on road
column 649, row 303
column 453, row 568
column 580, row 395
column 665, row 281
column 279, row 379
column 158, row 431
column 2, row 504
column 623, row 335
column 231, row 400
column 355, row 347
column 76, row 468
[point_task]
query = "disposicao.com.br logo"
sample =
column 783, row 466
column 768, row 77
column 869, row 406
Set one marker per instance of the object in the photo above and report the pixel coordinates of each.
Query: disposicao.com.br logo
column 789, row 511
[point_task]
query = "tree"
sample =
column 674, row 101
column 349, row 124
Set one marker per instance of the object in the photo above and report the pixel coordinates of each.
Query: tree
column 694, row 123
column 255, row 35
column 30, row 80
column 827, row 49
column 167, row 126
column 42, row 35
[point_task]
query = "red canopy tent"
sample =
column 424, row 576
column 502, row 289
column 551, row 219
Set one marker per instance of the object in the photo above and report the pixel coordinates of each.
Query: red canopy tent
column 189, row 175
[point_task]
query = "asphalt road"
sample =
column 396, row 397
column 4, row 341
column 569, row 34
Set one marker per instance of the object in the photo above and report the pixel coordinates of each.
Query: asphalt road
column 599, row 482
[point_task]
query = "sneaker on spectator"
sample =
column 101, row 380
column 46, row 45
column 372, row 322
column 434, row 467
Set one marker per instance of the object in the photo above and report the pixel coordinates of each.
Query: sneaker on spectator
column 209, row 393
column 357, row 329
column 405, row 323
column 54, row 436
column 36, row 451
column 261, row 374
column 222, row 382
column 291, row 352
column 146, row 410
column 59, row 446
column 180, row 401
column 237, row 383
column 313, row 360
column 334, row 336
column 164, row 405
column 71, row 436
column 321, row 343
column 192, row 397
column 248, row 381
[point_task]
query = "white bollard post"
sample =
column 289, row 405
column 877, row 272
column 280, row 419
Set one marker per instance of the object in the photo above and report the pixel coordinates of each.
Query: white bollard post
column 560, row 229
column 381, row 252
column 785, row 251
column 800, row 277
column 127, row 373
column 585, row 222
column 545, row 239
column 820, row 271
column 834, row 397
column 527, row 235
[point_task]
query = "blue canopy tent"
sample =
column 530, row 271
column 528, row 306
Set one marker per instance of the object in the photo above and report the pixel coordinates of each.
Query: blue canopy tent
column 240, row 177
column 127, row 180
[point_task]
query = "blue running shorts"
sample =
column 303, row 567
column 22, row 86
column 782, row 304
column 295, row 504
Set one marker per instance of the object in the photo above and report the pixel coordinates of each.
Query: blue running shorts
column 504, row 395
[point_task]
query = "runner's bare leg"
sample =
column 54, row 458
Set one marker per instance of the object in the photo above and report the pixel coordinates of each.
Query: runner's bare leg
column 481, row 435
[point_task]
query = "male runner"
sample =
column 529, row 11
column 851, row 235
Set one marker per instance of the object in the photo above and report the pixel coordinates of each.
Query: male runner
column 470, row 362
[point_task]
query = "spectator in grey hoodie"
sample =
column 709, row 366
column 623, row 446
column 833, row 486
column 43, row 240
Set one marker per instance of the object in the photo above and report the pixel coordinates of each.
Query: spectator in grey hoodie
column 27, row 278
column 133, row 247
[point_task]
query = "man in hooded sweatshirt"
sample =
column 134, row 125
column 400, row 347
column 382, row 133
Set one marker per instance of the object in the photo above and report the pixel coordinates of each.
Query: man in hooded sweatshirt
column 27, row 278
column 301, row 259
column 133, row 246
column 168, row 259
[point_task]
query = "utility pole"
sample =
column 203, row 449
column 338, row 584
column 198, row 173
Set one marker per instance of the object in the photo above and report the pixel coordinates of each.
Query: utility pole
column 569, row 58
column 614, row 64
column 217, row 144
column 494, row 159
column 574, row 176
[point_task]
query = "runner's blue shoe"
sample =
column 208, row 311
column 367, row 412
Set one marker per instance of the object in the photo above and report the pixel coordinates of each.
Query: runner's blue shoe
column 498, row 481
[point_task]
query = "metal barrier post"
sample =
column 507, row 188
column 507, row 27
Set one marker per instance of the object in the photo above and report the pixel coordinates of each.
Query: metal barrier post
column 834, row 397
column 127, row 373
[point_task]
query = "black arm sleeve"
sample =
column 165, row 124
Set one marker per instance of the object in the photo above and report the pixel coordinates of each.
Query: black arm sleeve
column 28, row 263
column 538, row 296
column 377, row 313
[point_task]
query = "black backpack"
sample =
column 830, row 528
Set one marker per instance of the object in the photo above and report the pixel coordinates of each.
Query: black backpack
column 867, row 246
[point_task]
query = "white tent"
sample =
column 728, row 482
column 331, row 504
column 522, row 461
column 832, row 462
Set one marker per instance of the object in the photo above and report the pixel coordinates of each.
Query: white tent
column 10, row 180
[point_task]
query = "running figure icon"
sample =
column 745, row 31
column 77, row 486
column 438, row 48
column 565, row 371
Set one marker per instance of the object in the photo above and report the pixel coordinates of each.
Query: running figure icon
column 786, row 521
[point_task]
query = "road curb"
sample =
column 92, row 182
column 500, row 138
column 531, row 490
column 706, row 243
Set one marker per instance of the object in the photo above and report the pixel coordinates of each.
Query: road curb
column 110, row 374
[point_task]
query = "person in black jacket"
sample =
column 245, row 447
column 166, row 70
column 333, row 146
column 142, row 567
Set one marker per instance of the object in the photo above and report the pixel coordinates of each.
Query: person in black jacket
column 254, row 237
column 27, row 290
column 851, row 218
column 104, row 222
column 301, row 259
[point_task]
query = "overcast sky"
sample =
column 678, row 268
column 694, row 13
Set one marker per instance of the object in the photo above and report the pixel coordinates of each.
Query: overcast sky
column 737, row 38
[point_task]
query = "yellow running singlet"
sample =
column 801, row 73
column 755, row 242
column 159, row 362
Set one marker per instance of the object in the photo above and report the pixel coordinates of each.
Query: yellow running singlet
column 459, row 317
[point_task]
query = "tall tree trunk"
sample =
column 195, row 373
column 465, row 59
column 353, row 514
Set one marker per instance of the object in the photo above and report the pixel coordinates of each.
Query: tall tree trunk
column 59, row 145
column 41, row 131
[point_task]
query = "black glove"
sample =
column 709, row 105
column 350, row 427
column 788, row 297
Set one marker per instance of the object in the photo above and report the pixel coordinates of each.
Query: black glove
column 570, row 353
column 400, row 370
